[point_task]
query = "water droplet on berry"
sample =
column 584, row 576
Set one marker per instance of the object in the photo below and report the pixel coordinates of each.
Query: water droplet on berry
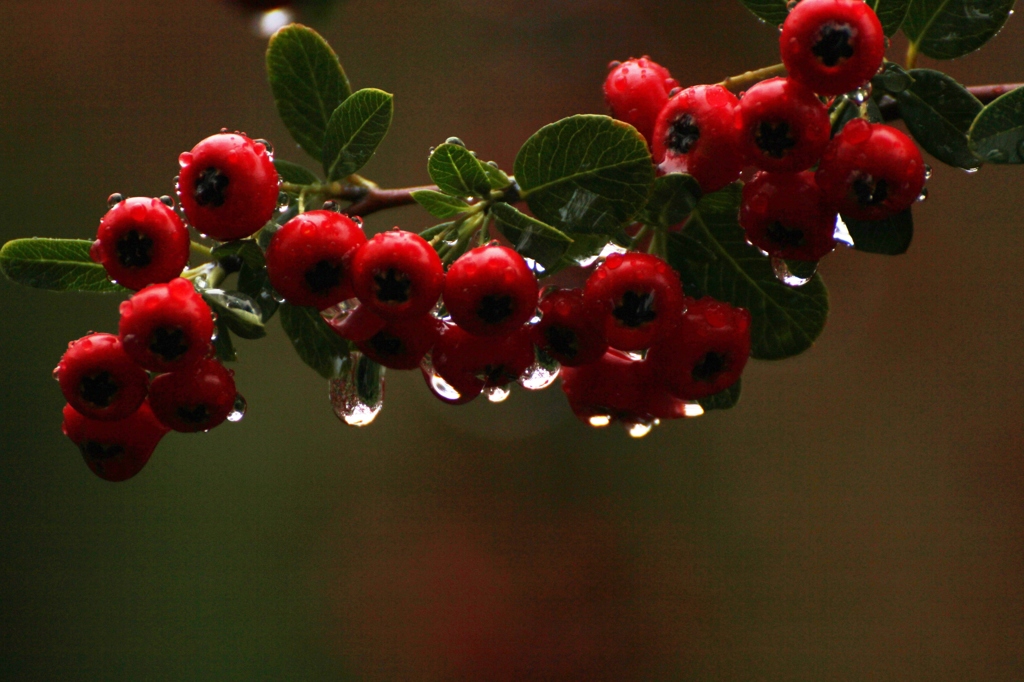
column 861, row 94
column 114, row 199
column 782, row 273
column 238, row 409
column 538, row 377
column 599, row 421
column 639, row 429
column 442, row 389
column 842, row 233
column 927, row 172
column 614, row 64
column 693, row 409
column 184, row 159
column 923, row 195
column 613, row 261
column 497, row 394
column 166, row 200
column 266, row 145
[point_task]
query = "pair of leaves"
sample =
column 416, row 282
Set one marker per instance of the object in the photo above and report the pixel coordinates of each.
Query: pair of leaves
column 785, row 320
column 337, row 127
column 56, row 265
column 890, row 12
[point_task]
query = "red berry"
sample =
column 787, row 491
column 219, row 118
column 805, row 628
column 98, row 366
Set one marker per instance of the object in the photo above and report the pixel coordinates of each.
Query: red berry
column 309, row 258
column 785, row 214
column 705, row 353
column 117, row 450
column 636, row 90
column 141, row 241
column 832, row 46
column 617, row 387
column 629, row 298
column 784, row 127
column 472, row 363
column 697, row 133
column 166, row 327
column 490, row 291
column 565, row 332
column 398, row 275
column 402, row 344
column 871, row 171
column 228, row 186
column 99, row 380
column 195, row 399
column 355, row 324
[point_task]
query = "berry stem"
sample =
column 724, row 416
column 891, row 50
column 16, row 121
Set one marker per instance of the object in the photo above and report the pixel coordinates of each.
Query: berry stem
column 200, row 250
column 745, row 80
column 911, row 56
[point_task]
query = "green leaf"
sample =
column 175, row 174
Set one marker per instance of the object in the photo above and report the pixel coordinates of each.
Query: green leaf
column 308, row 84
column 240, row 312
column 223, row 347
column 723, row 400
column 938, row 112
column 294, row 173
column 55, row 264
column 355, row 130
column 585, row 174
column 314, row 340
column 673, row 198
column 889, row 237
column 254, row 282
column 438, row 204
column 583, row 248
column 530, row 237
column 455, row 171
column 785, row 320
column 496, row 177
column 772, row 12
column 246, row 249
column 947, row 29
column 997, row 134
column 891, row 13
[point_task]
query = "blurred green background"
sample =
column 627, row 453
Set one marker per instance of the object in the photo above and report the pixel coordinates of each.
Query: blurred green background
column 859, row 516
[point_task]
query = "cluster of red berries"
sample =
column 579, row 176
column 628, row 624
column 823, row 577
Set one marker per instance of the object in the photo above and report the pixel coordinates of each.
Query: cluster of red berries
column 781, row 127
column 116, row 413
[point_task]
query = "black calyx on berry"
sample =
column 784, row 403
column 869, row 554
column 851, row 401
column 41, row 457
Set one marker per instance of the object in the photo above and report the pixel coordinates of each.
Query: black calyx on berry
column 682, row 135
column 134, row 250
column 774, row 138
column 635, row 308
column 210, row 186
column 494, row 309
column 323, row 277
column 709, row 367
column 391, row 286
column 833, row 45
column 98, row 389
column 168, row 342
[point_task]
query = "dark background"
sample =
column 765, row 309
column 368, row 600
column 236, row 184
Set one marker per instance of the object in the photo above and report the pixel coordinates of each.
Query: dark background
column 860, row 515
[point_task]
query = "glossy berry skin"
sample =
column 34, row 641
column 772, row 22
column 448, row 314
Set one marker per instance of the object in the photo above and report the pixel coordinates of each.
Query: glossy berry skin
column 99, row 380
column 355, row 324
column 705, row 353
column 629, row 298
column 636, row 91
column 195, row 399
column 141, row 241
column 871, row 171
column 402, row 344
column 472, row 363
column 832, row 46
column 565, row 332
column 114, row 451
column 697, row 133
column 618, row 388
column 228, row 186
column 166, row 327
column 490, row 291
column 784, row 127
column 309, row 259
column 785, row 215
column 397, row 275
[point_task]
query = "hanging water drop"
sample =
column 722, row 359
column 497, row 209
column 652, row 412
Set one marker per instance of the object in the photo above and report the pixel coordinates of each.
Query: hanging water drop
column 497, row 394
column 283, row 199
column 781, row 270
column 923, row 195
column 927, row 172
column 599, row 421
column 269, row 147
column 238, row 409
column 693, row 409
column 332, row 206
column 114, row 199
column 842, row 233
column 639, row 429
column 538, row 377
column 358, row 395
